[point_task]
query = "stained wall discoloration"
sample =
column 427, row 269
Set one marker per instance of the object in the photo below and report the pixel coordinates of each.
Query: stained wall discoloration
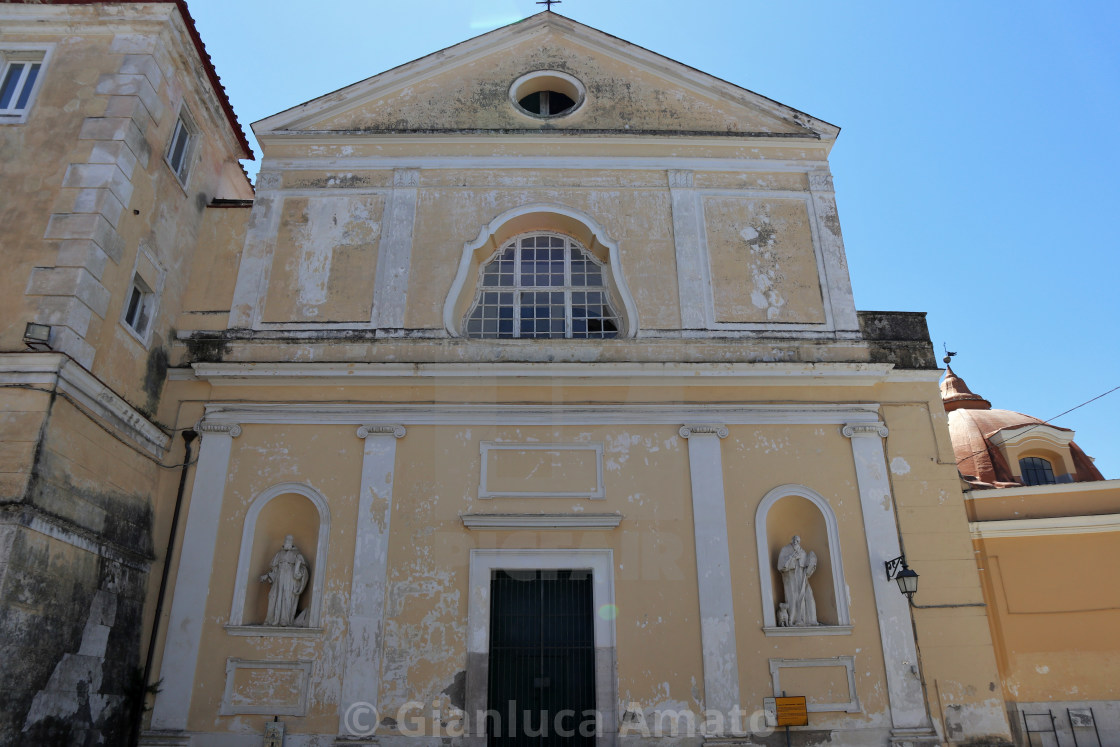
column 75, row 556
column 475, row 95
column 327, row 254
column 763, row 267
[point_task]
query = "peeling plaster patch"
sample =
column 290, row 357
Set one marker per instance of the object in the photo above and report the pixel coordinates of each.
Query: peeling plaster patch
column 330, row 225
column 768, row 445
column 900, row 466
column 1042, row 669
column 765, row 273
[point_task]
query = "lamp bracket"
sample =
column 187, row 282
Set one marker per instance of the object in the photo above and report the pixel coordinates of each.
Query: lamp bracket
column 894, row 566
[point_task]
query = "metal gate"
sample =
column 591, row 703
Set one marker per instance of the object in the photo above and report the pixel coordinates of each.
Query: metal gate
column 542, row 659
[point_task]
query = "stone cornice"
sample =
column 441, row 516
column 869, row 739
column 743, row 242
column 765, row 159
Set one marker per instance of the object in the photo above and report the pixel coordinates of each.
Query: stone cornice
column 87, row 392
column 392, row 416
column 480, row 522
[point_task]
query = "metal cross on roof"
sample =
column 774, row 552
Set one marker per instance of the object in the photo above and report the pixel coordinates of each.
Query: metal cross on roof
column 548, row 3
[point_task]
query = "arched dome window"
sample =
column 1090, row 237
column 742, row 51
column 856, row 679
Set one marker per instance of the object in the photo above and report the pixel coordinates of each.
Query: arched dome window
column 542, row 285
column 1037, row 471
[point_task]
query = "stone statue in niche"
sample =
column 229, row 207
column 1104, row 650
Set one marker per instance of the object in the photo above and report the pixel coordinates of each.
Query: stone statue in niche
column 796, row 564
column 288, row 575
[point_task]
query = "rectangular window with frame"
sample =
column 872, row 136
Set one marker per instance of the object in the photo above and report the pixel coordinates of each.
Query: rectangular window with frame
column 21, row 72
column 139, row 306
column 180, row 151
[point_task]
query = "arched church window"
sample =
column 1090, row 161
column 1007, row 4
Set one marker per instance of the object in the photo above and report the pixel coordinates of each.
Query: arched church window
column 1036, row 471
column 542, row 285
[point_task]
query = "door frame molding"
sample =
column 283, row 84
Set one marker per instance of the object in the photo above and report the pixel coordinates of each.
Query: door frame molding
column 601, row 565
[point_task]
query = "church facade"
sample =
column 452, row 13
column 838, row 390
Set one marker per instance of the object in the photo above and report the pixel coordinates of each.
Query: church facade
column 524, row 399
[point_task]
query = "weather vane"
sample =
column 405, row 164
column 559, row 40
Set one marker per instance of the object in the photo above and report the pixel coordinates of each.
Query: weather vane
column 948, row 354
column 548, row 3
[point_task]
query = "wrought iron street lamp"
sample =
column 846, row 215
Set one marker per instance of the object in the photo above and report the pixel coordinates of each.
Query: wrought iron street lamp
column 907, row 579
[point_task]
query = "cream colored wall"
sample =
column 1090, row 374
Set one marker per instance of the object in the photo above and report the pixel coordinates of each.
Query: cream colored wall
column 1044, row 501
column 32, row 187
column 329, row 461
column 955, row 643
column 209, row 291
column 161, row 216
column 763, row 260
column 22, row 413
column 755, row 461
column 166, row 219
column 326, row 259
column 762, row 263
column 1054, row 615
column 637, row 218
column 646, row 480
column 474, row 94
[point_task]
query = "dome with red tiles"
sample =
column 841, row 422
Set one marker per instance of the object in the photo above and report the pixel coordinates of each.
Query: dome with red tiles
column 1003, row 448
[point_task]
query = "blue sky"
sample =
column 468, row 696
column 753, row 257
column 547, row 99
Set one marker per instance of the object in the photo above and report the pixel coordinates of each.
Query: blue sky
column 977, row 173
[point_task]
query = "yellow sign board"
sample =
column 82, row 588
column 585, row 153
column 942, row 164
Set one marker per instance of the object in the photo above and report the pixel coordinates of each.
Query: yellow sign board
column 792, row 711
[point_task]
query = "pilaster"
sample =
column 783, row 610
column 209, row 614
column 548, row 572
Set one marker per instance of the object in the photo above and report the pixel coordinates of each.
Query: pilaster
column 361, row 679
column 192, row 582
column 910, row 722
column 395, row 252
column 838, row 284
column 256, row 257
column 713, row 566
column 688, row 225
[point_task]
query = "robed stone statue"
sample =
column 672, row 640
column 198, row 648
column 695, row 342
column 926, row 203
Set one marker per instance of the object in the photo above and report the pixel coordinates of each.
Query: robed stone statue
column 288, row 575
column 796, row 564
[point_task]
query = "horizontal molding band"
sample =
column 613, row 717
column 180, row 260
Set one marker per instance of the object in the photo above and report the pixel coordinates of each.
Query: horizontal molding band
column 48, row 370
column 1042, row 527
column 488, row 414
column 540, row 521
column 1064, row 488
column 535, row 163
column 809, row 631
column 574, row 373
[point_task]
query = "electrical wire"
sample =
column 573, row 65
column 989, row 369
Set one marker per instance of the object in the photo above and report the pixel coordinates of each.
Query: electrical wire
column 1048, row 420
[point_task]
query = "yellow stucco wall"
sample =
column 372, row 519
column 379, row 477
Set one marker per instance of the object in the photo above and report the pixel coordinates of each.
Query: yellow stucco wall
column 1054, row 628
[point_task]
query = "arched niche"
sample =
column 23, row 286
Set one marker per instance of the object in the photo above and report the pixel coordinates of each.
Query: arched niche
column 283, row 509
column 795, row 509
column 538, row 217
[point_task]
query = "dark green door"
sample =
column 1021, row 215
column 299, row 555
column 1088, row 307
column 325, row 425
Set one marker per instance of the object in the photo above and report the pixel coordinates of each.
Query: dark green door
column 542, row 659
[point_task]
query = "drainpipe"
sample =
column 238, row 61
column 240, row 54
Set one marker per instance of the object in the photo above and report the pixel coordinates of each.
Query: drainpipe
column 188, row 437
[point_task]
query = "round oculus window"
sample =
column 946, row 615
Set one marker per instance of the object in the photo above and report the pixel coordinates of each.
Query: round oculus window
column 545, row 94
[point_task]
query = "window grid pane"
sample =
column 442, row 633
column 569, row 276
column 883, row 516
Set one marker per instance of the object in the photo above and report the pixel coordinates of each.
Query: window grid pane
column 178, row 148
column 11, row 83
column 556, row 291
column 1036, row 471
column 28, row 84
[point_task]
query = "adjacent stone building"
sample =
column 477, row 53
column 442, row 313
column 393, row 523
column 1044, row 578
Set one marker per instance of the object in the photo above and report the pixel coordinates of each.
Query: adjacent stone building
column 513, row 381
column 116, row 142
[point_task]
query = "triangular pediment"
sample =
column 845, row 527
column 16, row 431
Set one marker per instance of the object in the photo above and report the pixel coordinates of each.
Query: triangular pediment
column 466, row 88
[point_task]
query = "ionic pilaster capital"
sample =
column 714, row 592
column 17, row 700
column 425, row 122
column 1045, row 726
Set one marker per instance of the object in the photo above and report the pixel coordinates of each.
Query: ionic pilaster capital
column 820, row 181
column 268, row 180
column 233, row 430
column 680, row 179
column 858, row 430
column 396, row 431
column 406, row 178
column 696, row 429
